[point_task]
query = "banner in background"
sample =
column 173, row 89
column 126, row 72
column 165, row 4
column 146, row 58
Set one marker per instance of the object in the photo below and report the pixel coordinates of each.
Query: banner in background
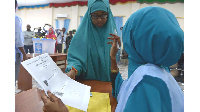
column 84, row 3
column 33, row 7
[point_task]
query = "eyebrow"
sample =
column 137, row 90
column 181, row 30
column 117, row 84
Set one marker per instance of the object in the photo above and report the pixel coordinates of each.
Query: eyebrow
column 101, row 12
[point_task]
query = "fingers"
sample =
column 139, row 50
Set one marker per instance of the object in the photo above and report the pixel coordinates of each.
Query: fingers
column 60, row 103
column 74, row 77
column 114, row 35
column 52, row 96
column 115, row 38
column 71, row 74
column 115, row 41
column 44, row 109
column 111, row 38
column 44, row 99
column 110, row 43
column 43, row 96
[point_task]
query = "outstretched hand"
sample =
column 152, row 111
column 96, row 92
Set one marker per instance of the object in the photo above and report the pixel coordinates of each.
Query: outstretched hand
column 71, row 74
column 114, row 49
column 52, row 103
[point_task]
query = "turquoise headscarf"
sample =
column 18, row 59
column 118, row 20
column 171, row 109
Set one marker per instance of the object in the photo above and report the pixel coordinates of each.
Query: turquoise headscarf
column 152, row 35
column 89, row 52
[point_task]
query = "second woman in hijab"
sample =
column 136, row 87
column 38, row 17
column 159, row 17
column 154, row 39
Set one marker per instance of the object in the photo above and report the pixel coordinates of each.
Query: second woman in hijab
column 153, row 41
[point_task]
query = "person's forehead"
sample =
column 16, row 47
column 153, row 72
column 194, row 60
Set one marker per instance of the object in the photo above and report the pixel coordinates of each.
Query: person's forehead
column 99, row 12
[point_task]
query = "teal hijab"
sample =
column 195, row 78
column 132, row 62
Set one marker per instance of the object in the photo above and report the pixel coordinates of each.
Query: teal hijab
column 89, row 52
column 152, row 35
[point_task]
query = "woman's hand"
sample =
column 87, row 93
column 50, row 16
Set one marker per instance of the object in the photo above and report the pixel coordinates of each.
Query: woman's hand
column 52, row 103
column 71, row 74
column 114, row 49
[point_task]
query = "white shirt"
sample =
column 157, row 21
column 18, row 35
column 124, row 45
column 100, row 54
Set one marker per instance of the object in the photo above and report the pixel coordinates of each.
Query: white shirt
column 19, row 39
column 59, row 38
column 28, row 35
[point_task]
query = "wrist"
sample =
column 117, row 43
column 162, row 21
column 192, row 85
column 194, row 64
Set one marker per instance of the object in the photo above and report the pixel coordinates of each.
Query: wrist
column 114, row 67
column 115, row 71
column 113, row 58
column 75, row 71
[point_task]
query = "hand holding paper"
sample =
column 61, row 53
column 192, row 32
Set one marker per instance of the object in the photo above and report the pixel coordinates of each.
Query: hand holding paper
column 45, row 71
column 53, row 103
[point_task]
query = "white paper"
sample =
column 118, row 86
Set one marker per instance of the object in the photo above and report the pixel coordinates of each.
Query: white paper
column 45, row 71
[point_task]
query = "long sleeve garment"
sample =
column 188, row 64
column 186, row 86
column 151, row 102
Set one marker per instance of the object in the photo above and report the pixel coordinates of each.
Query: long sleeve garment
column 88, row 51
column 19, row 39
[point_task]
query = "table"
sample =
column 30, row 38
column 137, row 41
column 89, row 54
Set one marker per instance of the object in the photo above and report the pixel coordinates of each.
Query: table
column 103, row 87
column 29, row 101
column 57, row 58
column 25, row 79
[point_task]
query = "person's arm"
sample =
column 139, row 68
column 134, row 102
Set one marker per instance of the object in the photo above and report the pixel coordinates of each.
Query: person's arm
column 73, row 70
column 64, row 39
column 18, row 38
column 44, row 28
column 23, row 52
column 25, row 35
column 114, row 68
column 113, row 75
column 72, row 73
column 57, row 31
column 33, row 34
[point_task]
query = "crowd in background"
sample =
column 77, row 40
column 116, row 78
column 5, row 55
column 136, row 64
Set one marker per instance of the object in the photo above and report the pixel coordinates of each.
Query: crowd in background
column 60, row 35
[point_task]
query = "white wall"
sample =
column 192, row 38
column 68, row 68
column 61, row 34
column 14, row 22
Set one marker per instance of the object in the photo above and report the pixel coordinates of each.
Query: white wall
column 82, row 11
column 61, row 10
column 38, row 17
column 35, row 17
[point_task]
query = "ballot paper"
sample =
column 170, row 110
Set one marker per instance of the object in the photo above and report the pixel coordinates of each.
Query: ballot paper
column 45, row 71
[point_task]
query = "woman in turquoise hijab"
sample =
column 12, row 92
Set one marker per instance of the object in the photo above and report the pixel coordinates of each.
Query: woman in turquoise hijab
column 153, row 40
column 88, row 54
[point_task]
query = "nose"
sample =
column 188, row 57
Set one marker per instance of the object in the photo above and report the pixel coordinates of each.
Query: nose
column 99, row 19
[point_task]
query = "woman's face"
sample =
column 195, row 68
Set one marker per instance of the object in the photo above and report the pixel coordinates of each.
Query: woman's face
column 50, row 30
column 99, row 18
